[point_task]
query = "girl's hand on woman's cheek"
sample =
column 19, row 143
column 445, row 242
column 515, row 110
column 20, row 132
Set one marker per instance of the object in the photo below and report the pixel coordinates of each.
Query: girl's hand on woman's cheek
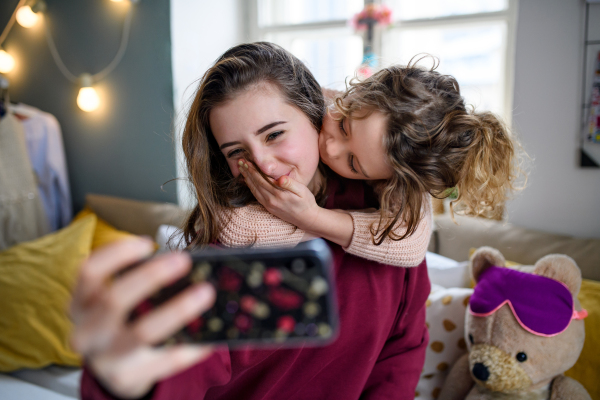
column 295, row 204
column 121, row 354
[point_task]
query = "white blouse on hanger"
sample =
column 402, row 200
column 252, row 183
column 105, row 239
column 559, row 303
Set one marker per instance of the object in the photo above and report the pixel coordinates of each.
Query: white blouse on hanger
column 22, row 215
column 46, row 152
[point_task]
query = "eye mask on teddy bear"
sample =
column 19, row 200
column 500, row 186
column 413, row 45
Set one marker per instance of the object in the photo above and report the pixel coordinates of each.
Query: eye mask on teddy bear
column 541, row 305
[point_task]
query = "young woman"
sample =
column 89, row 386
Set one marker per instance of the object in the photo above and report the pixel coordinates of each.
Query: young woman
column 261, row 97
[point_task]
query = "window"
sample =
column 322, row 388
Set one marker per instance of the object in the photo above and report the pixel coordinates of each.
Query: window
column 471, row 38
column 316, row 31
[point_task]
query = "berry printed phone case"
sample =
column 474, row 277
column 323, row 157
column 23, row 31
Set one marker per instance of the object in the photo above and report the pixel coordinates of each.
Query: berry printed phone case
column 264, row 297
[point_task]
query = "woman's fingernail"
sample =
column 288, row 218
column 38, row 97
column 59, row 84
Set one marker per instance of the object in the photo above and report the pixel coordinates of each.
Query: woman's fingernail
column 240, row 162
column 246, row 166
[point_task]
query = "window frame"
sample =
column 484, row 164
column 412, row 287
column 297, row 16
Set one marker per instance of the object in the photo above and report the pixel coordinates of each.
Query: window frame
column 509, row 16
column 254, row 32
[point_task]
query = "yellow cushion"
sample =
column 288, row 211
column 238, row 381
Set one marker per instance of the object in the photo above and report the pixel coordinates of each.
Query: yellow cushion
column 104, row 232
column 585, row 371
column 36, row 279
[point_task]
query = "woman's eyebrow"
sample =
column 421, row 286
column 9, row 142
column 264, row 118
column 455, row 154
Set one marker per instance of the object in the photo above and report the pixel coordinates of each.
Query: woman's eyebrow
column 258, row 132
column 269, row 126
column 228, row 144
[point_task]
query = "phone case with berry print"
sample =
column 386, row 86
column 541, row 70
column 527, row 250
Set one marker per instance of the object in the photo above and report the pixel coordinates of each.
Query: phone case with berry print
column 264, row 297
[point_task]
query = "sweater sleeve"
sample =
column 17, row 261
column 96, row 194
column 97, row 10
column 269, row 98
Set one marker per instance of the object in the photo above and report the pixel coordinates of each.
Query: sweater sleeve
column 398, row 367
column 408, row 252
column 253, row 225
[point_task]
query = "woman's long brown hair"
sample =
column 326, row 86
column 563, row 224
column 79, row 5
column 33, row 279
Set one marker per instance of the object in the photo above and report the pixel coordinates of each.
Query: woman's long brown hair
column 238, row 69
column 434, row 144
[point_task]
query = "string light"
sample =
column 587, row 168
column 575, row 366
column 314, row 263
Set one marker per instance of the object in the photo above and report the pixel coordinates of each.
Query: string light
column 7, row 62
column 87, row 99
column 27, row 13
column 27, row 16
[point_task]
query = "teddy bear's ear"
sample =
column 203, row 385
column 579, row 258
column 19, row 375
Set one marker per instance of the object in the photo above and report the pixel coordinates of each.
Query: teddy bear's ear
column 561, row 268
column 483, row 258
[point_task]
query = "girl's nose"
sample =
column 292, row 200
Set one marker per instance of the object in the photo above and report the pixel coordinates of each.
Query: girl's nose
column 333, row 147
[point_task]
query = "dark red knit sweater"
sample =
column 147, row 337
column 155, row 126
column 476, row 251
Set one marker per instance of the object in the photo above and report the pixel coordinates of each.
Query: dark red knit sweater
column 379, row 353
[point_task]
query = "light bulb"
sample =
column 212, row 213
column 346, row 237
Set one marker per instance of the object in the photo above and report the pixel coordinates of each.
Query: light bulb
column 88, row 99
column 26, row 17
column 7, row 62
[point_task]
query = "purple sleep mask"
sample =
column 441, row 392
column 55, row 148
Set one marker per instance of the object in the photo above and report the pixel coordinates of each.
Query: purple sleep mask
column 541, row 305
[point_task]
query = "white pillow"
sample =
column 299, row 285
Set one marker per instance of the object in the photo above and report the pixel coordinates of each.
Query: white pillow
column 446, row 310
column 169, row 237
column 446, row 272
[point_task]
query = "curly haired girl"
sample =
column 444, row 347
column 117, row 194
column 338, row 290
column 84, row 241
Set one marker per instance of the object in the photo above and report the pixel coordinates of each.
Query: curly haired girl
column 408, row 131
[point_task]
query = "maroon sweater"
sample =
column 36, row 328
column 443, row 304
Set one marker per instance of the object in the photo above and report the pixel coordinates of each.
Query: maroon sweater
column 379, row 353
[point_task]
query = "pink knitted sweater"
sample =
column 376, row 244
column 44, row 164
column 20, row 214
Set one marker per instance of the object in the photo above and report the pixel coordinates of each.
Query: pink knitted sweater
column 253, row 225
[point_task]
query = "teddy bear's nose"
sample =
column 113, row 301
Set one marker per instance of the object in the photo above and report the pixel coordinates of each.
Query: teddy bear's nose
column 481, row 372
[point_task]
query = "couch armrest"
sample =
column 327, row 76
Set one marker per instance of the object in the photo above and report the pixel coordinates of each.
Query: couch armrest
column 521, row 245
column 134, row 216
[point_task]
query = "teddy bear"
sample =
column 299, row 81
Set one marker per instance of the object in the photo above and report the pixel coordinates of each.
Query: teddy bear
column 524, row 327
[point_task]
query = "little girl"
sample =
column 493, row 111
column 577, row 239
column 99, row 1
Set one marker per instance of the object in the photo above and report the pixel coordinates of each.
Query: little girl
column 408, row 131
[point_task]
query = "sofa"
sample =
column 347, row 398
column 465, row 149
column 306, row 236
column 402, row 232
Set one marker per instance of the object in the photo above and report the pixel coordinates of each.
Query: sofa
column 449, row 251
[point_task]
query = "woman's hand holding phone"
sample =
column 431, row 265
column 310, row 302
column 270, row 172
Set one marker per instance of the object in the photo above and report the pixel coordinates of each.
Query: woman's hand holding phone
column 121, row 354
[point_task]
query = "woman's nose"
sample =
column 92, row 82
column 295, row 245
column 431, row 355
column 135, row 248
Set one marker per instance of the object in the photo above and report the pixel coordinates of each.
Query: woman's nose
column 266, row 163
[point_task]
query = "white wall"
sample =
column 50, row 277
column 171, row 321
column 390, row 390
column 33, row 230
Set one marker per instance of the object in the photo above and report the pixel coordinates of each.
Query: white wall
column 561, row 196
column 201, row 30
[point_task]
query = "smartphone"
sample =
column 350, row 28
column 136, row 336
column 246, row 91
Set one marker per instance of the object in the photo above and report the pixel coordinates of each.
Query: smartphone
column 264, row 297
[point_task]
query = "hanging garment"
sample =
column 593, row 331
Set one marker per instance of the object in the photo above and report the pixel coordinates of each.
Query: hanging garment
column 22, row 215
column 46, row 152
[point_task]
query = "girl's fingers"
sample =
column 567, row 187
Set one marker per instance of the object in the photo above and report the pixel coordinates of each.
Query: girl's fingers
column 145, row 280
column 256, row 179
column 173, row 315
column 105, row 262
column 290, row 185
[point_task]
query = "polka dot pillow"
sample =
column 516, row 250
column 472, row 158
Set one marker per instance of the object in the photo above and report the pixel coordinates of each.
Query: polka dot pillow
column 446, row 310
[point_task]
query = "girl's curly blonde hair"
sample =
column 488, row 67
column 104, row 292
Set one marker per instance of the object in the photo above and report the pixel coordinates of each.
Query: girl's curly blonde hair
column 434, row 144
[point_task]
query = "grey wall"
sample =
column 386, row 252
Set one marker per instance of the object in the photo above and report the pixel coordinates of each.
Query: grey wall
column 561, row 197
column 125, row 147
